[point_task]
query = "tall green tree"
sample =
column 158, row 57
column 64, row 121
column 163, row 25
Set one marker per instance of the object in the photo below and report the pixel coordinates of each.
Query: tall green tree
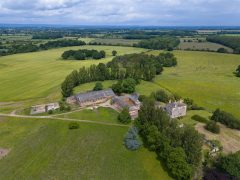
column 124, row 116
column 238, row 71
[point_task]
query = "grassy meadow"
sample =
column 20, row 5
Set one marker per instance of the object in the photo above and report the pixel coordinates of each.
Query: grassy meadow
column 205, row 77
column 100, row 114
column 47, row 149
column 39, row 74
column 123, row 42
column 202, row 46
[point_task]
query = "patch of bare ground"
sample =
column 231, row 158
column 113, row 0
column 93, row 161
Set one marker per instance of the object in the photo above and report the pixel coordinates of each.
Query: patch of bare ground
column 229, row 138
column 4, row 152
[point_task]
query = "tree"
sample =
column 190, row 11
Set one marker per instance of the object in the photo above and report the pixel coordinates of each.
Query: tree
column 213, row 127
column 238, row 71
column 124, row 116
column 67, row 86
column 231, row 164
column 176, row 162
column 161, row 95
column 128, row 85
column 222, row 50
column 98, row 86
column 114, row 53
column 131, row 140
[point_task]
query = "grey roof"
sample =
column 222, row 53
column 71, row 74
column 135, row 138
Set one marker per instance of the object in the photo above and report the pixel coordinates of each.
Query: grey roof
column 93, row 95
column 120, row 100
column 174, row 105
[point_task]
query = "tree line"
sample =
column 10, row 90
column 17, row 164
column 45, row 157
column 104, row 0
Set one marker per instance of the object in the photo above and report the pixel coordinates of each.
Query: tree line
column 47, row 35
column 83, row 54
column 135, row 66
column 226, row 118
column 229, row 41
column 165, row 42
column 30, row 47
column 179, row 147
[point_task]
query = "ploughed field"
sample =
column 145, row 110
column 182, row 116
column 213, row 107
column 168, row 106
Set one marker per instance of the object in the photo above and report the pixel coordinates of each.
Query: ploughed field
column 47, row 149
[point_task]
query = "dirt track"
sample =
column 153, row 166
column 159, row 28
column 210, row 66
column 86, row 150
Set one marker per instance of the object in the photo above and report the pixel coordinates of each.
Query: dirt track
column 229, row 138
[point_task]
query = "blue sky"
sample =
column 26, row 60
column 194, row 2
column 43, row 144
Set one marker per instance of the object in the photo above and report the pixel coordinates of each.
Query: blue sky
column 122, row 12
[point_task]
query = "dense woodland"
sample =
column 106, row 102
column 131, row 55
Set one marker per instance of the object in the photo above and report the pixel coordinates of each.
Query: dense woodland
column 229, row 41
column 135, row 66
column 47, row 36
column 179, row 147
column 83, row 54
column 30, row 47
column 159, row 43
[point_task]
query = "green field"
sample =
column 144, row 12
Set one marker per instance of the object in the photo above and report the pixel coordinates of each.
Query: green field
column 39, row 74
column 205, row 77
column 100, row 114
column 144, row 88
column 123, row 42
column 47, row 149
column 202, row 46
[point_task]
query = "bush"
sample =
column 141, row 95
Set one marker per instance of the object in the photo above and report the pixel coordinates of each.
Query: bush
column 50, row 112
column 212, row 127
column 231, row 164
column 199, row 118
column 124, row 116
column 161, row 95
column 226, row 118
column 73, row 125
column 98, row 86
column 131, row 140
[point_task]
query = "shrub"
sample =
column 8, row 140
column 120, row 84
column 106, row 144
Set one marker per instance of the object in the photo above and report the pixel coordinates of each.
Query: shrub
column 231, row 164
column 161, row 95
column 98, row 86
column 124, row 117
column 226, row 118
column 50, row 112
column 213, row 127
column 73, row 125
column 199, row 118
column 131, row 140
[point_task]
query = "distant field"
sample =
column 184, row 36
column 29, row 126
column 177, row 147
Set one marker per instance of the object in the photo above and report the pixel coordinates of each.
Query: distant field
column 202, row 46
column 47, row 149
column 205, row 77
column 128, row 42
column 39, row 75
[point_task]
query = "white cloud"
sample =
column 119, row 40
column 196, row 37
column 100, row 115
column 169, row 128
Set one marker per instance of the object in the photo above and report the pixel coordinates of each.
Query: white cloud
column 142, row 12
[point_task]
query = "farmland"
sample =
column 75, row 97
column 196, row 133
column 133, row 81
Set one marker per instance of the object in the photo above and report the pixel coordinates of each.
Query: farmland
column 39, row 74
column 43, row 148
column 123, row 42
column 205, row 77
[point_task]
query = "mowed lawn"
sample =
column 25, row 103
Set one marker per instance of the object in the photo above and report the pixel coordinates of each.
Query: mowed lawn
column 47, row 149
column 100, row 114
column 144, row 88
column 39, row 74
column 205, row 77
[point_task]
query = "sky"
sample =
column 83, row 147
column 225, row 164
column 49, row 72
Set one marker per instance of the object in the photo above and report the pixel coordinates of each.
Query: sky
column 122, row 12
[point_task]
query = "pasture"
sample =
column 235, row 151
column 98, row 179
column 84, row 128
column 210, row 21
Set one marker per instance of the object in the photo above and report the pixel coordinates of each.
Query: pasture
column 119, row 42
column 202, row 46
column 100, row 114
column 39, row 74
column 144, row 88
column 205, row 77
column 47, row 149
